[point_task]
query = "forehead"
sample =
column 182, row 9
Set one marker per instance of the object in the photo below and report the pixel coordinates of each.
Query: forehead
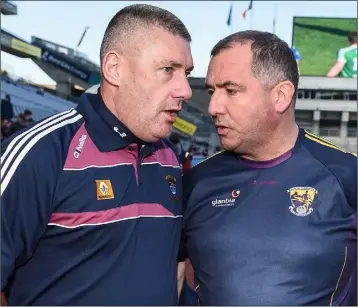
column 165, row 46
column 231, row 64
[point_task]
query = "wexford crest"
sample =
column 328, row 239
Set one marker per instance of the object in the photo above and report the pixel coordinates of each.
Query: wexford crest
column 301, row 200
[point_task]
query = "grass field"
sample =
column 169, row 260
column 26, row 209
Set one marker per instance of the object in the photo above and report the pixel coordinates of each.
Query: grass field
column 318, row 40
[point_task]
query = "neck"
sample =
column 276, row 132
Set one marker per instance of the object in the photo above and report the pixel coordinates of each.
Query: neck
column 276, row 143
column 107, row 97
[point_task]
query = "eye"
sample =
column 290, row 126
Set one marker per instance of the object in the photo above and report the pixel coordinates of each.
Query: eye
column 187, row 73
column 168, row 70
column 230, row 92
column 211, row 92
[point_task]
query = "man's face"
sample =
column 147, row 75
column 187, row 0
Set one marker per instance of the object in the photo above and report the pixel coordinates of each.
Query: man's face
column 6, row 123
column 240, row 104
column 154, row 84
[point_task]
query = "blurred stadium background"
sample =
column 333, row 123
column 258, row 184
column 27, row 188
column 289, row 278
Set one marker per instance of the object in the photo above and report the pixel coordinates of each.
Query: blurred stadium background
column 325, row 106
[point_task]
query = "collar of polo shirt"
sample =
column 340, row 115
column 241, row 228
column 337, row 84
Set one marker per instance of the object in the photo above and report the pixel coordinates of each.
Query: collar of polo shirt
column 104, row 128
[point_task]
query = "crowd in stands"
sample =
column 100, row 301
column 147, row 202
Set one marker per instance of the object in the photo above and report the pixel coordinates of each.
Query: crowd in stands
column 10, row 123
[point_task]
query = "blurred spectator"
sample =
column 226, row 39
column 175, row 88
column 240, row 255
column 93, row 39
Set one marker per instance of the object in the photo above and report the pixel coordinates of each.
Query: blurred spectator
column 184, row 156
column 346, row 64
column 7, row 110
column 297, row 57
column 19, row 124
column 6, row 128
column 205, row 152
column 194, row 149
column 28, row 117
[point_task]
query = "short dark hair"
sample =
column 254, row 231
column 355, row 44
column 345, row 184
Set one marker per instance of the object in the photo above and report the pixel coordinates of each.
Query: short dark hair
column 273, row 60
column 353, row 37
column 131, row 17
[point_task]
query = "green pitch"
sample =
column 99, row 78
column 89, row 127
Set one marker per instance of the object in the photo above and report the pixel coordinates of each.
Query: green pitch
column 318, row 40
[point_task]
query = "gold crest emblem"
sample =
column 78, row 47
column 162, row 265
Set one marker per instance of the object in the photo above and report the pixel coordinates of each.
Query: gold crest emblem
column 301, row 200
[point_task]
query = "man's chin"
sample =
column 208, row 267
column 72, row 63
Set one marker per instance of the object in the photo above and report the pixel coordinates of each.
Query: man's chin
column 158, row 135
column 226, row 144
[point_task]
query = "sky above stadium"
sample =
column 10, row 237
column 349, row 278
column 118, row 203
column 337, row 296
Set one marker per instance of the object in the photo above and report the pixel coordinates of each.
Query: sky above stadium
column 64, row 21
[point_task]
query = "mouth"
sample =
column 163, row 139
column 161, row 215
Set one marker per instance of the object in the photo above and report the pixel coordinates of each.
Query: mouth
column 221, row 130
column 171, row 115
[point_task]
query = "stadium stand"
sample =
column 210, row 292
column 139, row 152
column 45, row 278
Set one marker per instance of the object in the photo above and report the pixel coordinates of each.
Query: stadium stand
column 24, row 96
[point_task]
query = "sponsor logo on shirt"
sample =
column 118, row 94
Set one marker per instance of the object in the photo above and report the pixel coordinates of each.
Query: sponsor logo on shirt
column 104, row 189
column 301, row 200
column 122, row 135
column 81, row 143
column 228, row 201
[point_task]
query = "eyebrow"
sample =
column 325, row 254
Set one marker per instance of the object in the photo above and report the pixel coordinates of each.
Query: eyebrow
column 176, row 65
column 226, row 84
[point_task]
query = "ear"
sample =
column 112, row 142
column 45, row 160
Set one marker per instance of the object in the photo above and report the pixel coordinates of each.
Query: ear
column 111, row 66
column 283, row 94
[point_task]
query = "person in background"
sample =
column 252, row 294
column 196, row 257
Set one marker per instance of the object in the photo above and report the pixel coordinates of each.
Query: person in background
column 297, row 57
column 19, row 124
column 346, row 63
column 6, row 128
column 7, row 110
column 185, row 157
column 28, row 117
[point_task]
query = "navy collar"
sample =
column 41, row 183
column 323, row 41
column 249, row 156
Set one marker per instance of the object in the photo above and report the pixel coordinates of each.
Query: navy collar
column 107, row 132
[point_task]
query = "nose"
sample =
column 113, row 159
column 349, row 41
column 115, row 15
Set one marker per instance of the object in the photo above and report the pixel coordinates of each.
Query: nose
column 216, row 107
column 184, row 90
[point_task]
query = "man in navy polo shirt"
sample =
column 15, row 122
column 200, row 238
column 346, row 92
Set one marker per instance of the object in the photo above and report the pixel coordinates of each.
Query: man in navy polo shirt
column 272, row 219
column 91, row 200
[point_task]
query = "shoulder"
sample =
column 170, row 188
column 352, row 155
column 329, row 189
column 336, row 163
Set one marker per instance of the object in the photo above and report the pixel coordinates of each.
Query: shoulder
column 341, row 52
column 207, row 167
column 40, row 145
column 328, row 152
column 341, row 163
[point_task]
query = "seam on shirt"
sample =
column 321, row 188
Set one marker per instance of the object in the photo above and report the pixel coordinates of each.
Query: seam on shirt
column 333, row 174
column 340, row 275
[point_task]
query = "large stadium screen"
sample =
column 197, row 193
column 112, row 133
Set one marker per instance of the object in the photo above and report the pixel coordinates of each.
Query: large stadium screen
column 318, row 40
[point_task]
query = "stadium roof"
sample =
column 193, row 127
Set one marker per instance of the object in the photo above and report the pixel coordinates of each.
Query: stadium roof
column 8, row 8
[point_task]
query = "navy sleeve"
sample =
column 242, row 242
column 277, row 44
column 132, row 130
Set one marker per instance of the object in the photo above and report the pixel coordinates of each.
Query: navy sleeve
column 341, row 164
column 346, row 174
column 29, row 171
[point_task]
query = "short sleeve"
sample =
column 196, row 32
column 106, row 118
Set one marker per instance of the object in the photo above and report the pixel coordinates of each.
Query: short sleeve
column 340, row 56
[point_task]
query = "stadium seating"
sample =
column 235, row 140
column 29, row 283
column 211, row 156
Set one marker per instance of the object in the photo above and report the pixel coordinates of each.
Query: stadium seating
column 26, row 97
